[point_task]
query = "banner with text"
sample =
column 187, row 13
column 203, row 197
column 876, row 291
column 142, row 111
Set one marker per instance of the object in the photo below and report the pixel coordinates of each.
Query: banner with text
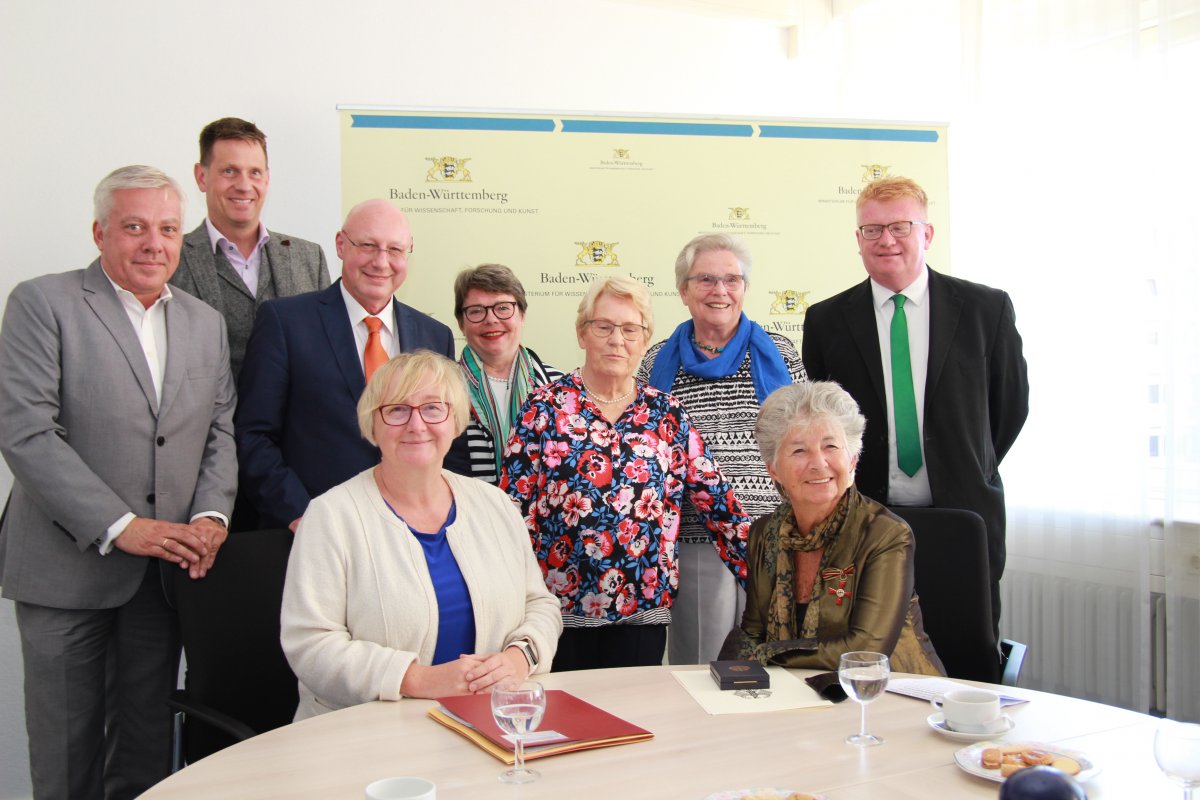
column 563, row 199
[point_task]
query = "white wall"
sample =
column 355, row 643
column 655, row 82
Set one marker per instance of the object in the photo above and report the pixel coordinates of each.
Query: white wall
column 91, row 86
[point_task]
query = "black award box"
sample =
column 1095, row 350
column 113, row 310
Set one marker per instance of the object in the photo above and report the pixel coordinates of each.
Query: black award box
column 739, row 675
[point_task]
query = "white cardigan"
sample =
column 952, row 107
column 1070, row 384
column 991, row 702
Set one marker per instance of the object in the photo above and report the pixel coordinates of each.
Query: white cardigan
column 359, row 605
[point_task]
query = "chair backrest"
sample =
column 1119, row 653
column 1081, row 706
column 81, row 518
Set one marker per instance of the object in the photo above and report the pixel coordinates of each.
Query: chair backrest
column 229, row 621
column 952, row 582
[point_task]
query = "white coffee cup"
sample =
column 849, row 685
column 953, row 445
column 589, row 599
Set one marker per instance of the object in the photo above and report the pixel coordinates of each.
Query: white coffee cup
column 970, row 710
column 402, row 789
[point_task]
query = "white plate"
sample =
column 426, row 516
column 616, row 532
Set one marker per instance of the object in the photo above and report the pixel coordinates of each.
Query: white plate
column 968, row 759
column 781, row 794
column 938, row 723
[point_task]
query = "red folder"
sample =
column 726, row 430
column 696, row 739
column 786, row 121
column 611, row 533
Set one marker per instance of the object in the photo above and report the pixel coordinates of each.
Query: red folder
column 584, row 726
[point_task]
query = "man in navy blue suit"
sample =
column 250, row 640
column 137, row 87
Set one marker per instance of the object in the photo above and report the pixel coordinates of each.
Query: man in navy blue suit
column 296, row 422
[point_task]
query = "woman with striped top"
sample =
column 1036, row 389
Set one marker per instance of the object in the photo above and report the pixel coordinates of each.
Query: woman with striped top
column 489, row 304
column 721, row 366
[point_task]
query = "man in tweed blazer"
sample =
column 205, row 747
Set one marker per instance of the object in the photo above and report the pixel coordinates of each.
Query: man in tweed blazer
column 231, row 261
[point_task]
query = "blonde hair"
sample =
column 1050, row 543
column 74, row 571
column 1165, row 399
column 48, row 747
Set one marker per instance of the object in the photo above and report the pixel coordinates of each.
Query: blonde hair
column 405, row 374
column 894, row 188
column 620, row 287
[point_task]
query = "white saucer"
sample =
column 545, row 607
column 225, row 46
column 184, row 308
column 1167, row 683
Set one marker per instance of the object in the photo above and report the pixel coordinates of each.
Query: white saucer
column 938, row 723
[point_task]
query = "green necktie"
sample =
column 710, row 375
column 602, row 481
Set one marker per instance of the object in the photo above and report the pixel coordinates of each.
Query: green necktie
column 904, row 402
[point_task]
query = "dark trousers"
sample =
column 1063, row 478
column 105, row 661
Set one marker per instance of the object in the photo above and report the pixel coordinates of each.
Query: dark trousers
column 96, row 682
column 610, row 646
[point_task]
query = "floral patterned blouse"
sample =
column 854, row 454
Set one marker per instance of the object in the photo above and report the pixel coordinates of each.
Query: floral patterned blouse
column 602, row 500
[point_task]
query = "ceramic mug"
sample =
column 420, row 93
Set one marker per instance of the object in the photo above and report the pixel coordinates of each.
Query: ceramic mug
column 970, row 710
column 402, row 789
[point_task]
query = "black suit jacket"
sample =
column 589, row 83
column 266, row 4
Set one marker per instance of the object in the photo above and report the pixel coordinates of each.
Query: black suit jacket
column 296, row 422
column 976, row 393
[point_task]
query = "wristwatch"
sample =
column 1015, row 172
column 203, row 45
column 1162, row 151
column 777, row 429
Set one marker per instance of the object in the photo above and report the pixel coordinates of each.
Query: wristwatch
column 528, row 650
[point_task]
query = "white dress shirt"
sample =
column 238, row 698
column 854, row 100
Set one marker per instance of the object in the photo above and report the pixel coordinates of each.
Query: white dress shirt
column 902, row 489
column 358, row 315
column 150, row 325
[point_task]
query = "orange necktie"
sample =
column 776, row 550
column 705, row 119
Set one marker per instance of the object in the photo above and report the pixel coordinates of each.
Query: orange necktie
column 374, row 356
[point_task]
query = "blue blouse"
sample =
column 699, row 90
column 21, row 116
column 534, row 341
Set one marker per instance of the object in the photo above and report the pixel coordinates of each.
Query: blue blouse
column 456, row 617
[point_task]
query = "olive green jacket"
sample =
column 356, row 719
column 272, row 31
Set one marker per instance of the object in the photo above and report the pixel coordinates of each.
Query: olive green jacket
column 878, row 610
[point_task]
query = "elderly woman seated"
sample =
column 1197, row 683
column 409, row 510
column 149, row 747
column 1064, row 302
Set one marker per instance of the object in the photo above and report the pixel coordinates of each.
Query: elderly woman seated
column 831, row 571
column 407, row 580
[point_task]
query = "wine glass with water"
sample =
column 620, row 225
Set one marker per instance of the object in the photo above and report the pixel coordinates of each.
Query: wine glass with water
column 517, row 707
column 864, row 676
column 1177, row 751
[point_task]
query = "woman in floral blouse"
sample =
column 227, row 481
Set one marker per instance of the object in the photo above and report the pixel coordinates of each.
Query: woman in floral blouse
column 600, row 464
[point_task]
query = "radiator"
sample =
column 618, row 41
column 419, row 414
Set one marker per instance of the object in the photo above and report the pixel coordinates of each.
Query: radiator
column 1086, row 639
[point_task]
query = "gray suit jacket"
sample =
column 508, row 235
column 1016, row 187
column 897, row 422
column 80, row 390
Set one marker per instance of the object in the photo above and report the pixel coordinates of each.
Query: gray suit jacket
column 87, row 442
column 290, row 266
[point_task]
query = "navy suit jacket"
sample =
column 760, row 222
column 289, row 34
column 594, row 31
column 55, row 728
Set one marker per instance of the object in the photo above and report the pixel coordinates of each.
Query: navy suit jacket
column 296, row 422
column 976, row 393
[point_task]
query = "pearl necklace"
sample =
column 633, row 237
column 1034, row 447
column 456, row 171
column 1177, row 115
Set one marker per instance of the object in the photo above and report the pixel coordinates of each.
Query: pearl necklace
column 708, row 348
column 598, row 398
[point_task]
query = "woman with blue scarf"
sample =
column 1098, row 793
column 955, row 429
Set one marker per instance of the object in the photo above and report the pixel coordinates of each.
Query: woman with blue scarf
column 489, row 304
column 721, row 366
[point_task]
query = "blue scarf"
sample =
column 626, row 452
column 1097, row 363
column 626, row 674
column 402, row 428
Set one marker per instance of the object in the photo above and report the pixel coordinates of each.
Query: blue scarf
column 767, row 367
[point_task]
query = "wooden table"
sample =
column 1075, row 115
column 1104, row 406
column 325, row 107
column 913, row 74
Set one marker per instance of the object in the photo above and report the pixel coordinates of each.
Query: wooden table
column 692, row 755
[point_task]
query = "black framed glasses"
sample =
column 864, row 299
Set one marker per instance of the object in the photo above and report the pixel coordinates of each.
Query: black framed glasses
column 602, row 329
column 898, row 229
column 709, row 282
column 394, row 254
column 503, row 310
column 396, row 414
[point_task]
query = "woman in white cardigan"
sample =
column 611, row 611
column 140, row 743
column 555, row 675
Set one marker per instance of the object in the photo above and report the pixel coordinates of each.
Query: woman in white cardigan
column 408, row 580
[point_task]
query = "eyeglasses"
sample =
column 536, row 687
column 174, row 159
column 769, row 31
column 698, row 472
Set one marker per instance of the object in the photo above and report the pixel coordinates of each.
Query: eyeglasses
column 503, row 310
column 602, row 329
column 709, row 282
column 398, row 414
column 897, row 229
column 394, row 254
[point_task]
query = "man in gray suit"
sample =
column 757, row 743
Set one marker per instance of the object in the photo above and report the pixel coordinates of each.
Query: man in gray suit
column 231, row 261
column 116, row 419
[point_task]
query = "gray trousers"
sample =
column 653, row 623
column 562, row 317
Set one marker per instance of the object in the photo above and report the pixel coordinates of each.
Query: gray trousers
column 96, row 683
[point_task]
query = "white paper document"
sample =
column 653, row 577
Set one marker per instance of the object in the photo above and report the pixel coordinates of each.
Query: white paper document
column 787, row 692
column 929, row 688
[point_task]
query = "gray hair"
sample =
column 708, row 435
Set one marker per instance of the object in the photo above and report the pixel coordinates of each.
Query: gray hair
column 801, row 404
column 707, row 243
column 621, row 287
column 135, row 176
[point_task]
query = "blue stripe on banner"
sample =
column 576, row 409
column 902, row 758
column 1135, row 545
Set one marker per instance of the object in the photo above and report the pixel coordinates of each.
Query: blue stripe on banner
column 660, row 128
column 451, row 123
column 852, row 134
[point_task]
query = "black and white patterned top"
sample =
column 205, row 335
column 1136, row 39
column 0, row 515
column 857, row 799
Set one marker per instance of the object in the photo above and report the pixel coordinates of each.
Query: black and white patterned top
column 724, row 411
column 472, row 453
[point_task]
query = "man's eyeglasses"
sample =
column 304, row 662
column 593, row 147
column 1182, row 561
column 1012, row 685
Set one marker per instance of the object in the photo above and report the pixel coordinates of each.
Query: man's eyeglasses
column 503, row 310
column 398, row 414
column 602, row 329
column 394, row 254
column 897, row 229
column 709, row 282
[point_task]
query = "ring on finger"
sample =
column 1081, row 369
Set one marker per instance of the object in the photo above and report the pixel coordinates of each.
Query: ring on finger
column 164, row 544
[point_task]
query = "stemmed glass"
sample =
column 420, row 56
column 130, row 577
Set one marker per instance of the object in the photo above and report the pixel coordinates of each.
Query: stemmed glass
column 1177, row 751
column 517, row 707
column 864, row 676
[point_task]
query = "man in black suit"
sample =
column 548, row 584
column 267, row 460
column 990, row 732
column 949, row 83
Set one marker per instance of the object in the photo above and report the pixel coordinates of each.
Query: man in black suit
column 940, row 421
column 306, row 365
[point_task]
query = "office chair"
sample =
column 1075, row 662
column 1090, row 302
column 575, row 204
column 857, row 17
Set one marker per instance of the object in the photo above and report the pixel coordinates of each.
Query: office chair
column 953, row 584
column 238, row 681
